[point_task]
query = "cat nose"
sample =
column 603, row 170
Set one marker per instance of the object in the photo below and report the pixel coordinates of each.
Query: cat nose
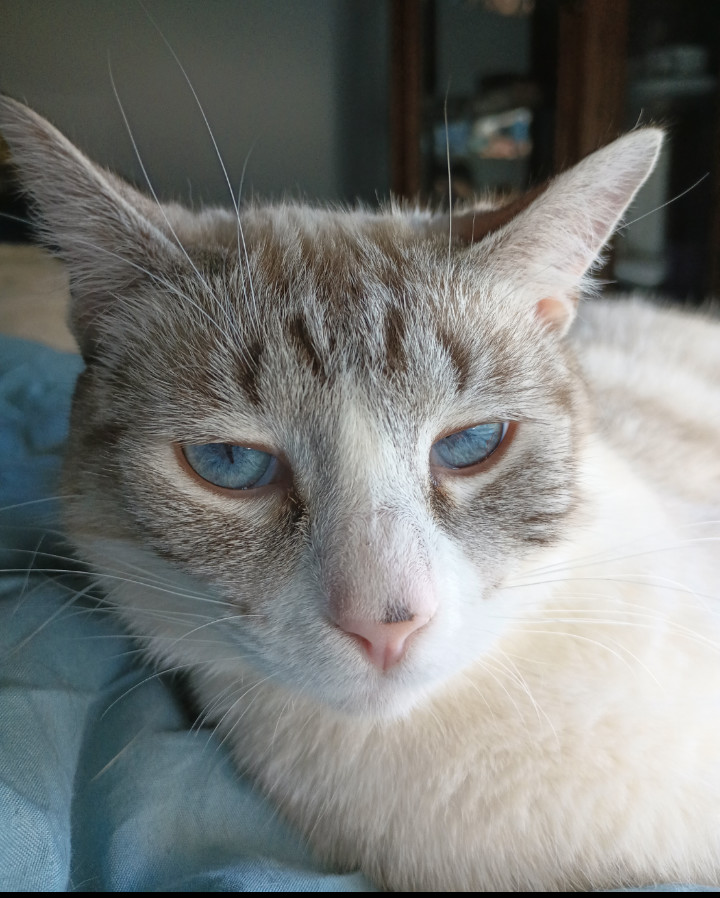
column 384, row 644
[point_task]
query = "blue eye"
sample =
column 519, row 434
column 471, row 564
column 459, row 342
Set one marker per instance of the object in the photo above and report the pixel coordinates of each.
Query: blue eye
column 468, row 447
column 232, row 467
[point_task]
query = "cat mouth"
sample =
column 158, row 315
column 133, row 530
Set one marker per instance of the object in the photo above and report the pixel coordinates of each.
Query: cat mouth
column 346, row 680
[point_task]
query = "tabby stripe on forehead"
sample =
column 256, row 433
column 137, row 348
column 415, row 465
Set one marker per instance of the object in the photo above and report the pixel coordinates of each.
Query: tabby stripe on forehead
column 459, row 356
column 395, row 328
column 247, row 370
column 299, row 336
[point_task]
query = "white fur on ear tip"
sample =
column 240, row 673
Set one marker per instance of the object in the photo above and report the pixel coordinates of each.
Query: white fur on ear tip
column 624, row 164
column 647, row 141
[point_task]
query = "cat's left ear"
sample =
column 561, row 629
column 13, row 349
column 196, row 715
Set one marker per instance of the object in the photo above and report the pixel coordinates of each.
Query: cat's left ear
column 110, row 236
column 547, row 248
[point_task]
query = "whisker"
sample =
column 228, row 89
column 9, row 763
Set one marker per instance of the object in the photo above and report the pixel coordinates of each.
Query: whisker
column 18, row 218
column 484, row 663
column 207, row 711
column 652, row 622
column 630, row 579
column 197, row 103
column 24, row 587
column 44, row 500
column 663, row 205
column 179, row 243
column 241, row 236
column 172, row 288
column 279, row 718
column 100, row 575
column 48, row 620
column 235, row 203
column 235, row 703
column 605, row 556
column 450, row 203
column 529, row 628
column 164, row 672
column 116, row 758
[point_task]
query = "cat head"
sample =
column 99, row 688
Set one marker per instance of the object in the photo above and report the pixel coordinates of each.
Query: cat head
column 314, row 444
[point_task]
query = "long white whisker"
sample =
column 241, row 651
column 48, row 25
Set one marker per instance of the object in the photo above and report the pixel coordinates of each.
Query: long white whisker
column 511, row 670
column 232, row 708
column 528, row 627
column 116, row 758
column 45, row 500
column 136, row 150
column 197, row 103
column 172, row 288
column 235, row 203
column 58, row 611
column 607, row 555
column 663, row 205
column 652, row 621
column 633, row 579
column 241, row 237
column 161, row 673
column 450, row 204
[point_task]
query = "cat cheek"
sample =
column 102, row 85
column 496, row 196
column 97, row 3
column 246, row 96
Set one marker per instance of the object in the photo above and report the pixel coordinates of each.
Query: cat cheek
column 557, row 314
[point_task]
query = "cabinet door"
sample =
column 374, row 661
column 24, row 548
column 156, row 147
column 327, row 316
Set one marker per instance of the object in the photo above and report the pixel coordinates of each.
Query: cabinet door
column 588, row 70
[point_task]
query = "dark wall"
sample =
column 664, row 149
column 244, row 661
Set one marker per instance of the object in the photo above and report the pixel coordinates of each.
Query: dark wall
column 297, row 88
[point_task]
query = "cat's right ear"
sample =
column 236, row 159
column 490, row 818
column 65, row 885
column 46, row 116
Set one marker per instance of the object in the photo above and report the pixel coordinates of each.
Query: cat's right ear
column 554, row 235
column 559, row 238
column 99, row 225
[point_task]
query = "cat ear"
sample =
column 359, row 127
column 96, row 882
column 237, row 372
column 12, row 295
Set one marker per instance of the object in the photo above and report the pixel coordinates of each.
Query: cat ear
column 553, row 235
column 556, row 241
column 100, row 226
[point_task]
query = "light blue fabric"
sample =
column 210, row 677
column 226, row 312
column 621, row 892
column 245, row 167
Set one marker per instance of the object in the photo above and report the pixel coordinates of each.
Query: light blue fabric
column 103, row 785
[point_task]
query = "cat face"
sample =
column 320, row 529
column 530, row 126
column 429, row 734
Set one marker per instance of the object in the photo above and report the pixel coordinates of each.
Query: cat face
column 349, row 383
column 337, row 536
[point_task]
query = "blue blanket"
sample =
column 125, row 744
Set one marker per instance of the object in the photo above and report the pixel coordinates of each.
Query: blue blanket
column 104, row 785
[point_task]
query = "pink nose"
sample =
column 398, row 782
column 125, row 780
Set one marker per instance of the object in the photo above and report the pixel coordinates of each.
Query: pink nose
column 384, row 644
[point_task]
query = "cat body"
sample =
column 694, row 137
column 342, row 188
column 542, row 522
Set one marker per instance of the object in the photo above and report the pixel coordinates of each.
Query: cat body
column 451, row 667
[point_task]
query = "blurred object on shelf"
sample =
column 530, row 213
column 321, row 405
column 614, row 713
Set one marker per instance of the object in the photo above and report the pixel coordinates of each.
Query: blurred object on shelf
column 510, row 7
column 666, row 247
column 487, row 137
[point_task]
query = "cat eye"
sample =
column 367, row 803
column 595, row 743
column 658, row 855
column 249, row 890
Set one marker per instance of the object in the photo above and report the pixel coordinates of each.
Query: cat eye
column 232, row 467
column 469, row 447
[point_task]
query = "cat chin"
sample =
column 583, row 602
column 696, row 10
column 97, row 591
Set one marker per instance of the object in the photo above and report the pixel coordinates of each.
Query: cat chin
column 380, row 704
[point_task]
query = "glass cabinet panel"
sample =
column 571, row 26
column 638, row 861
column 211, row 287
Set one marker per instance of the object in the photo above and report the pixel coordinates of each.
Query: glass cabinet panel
column 512, row 90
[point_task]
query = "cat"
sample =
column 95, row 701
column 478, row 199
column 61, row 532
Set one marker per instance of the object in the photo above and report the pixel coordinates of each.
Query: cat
column 436, row 543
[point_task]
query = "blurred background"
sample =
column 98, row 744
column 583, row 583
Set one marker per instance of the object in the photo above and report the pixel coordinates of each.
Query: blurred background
column 345, row 100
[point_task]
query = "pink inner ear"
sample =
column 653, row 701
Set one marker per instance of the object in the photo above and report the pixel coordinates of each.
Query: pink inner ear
column 554, row 312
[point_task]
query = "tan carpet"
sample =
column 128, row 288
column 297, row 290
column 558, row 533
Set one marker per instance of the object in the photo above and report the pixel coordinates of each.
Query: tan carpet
column 34, row 296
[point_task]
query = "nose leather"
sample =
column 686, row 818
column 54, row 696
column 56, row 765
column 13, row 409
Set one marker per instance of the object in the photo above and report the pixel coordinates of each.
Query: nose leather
column 384, row 644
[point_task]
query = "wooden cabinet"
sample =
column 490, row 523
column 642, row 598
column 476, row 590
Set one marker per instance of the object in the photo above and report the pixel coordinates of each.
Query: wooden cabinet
column 587, row 71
